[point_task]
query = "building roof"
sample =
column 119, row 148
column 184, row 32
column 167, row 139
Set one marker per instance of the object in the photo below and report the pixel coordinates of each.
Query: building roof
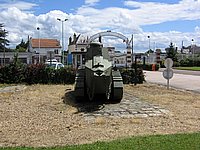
column 45, row 43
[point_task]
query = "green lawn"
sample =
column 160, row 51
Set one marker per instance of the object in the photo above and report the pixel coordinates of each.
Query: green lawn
column 158, row 142
column 188, row 68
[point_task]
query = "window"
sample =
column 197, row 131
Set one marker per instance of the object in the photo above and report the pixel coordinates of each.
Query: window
column 78, row 60
column 56, row 51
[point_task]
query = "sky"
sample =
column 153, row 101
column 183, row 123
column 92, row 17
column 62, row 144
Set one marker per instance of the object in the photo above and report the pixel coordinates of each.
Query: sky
column 163, row 21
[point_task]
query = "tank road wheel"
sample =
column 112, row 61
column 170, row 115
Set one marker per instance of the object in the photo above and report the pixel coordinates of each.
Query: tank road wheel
column 90, row 94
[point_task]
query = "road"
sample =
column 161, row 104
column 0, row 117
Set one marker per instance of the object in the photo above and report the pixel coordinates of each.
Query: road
column 186, row 72
column 187, row 80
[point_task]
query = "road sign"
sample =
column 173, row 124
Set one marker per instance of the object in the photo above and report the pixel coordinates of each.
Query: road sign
column 168, row 73
column 168, row 63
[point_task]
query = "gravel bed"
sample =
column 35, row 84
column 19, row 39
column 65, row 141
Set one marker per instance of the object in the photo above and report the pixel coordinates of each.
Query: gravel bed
column 47, row 115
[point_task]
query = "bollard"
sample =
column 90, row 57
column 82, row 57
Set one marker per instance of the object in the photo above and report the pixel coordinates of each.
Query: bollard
column 153, row 67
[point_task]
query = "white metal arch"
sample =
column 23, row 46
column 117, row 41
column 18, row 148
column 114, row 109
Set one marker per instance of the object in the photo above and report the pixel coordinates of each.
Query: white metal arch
column 109, row 33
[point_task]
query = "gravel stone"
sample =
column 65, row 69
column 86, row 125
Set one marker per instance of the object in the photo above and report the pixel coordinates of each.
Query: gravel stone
column 48, row 115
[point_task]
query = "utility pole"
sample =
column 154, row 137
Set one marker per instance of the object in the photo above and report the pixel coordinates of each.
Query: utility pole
column 149, row 42
column 62, row 21
column 192, row 47
column 4, row 49
column 39, row 42
column 132, row 49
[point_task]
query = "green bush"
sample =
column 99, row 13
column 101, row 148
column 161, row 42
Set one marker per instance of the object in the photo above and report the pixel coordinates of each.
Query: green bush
column 35, row 73
column 130, row 76
column 12, row 73
column 39, row 73
column 189, row 62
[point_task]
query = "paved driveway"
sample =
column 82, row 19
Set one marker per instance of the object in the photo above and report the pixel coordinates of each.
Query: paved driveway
column 182, row 81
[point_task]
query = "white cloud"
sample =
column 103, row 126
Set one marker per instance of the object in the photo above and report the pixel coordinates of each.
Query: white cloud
column 18, row 4
column 116, row 19
column 88, row 21
column 148, row 13
column 197, row 29
column 91, row 2
column 19, row 24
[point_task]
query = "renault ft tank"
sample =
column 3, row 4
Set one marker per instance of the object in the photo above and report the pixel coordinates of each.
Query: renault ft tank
column 98, row 77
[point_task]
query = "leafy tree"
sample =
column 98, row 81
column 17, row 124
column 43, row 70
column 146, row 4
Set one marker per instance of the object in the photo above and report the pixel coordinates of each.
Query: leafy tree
column 3, row 34
column 171, row 52
column 149, row 51
column 22, row 47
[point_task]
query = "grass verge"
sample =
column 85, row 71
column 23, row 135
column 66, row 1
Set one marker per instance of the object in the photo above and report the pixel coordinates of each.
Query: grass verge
column 188, row 68
column 156, row 142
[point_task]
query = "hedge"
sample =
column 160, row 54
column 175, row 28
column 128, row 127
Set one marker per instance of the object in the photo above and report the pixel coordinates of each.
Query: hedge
column 147, row 66
column 34, row 74
column 131, row 76
column 40, row 73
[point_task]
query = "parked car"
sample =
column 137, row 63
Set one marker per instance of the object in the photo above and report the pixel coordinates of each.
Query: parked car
column 51, row 61
column 54, row 64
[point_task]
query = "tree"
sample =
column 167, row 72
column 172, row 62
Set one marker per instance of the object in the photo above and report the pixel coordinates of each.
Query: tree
column 3, row 40
column 149, row 51
column 22, row 47
column 171, row 52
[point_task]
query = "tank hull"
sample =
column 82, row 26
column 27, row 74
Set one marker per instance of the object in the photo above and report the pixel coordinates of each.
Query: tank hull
column 98, row 77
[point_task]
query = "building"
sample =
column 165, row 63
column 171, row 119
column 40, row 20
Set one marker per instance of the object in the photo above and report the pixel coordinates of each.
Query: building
column 43, row 49
column 8, row 57
column 192, row 49
column 77, row 50
column 39, row 50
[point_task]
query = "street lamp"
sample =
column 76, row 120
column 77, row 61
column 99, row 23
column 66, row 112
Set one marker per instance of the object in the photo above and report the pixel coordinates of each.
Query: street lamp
column 192, row 47
column 38, row 42
column 149, row 41
column 4, row 48
column 149, row 49
column 62, row 38
column 132, row 49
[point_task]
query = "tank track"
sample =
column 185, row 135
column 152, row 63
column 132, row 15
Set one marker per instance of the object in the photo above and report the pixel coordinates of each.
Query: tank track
column 117, row 87
column 80, row 84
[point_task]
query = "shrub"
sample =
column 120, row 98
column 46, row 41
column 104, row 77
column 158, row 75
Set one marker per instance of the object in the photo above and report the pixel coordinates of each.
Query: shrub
column 35, row 73
column 130, row 76
column 189, row 62
column 12, row 73
column 39, row 73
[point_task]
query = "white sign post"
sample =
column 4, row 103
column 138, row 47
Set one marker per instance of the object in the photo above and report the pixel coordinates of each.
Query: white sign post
column 168, row 72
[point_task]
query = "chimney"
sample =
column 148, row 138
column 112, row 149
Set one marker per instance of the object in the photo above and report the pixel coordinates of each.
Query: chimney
column 74, row 38
column 70, row 40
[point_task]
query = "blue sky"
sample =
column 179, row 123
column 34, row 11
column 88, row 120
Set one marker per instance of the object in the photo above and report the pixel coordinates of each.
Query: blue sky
column 164, row 21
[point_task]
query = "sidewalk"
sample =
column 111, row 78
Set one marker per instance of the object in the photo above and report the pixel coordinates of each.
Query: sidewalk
column 181, row 81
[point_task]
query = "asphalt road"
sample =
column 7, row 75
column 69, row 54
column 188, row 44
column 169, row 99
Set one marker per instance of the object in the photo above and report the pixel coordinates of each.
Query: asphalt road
column 186, row 72
column 188, row 80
